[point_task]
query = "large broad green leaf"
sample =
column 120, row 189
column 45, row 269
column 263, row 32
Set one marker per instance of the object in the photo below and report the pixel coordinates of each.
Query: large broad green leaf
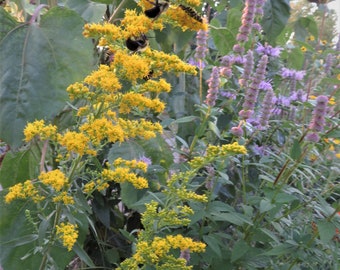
column 37, row 63
column 18, row 167
column 276, row 15
column 7, row 23
column 225, row 37
column 304, row 27
column 91, row 12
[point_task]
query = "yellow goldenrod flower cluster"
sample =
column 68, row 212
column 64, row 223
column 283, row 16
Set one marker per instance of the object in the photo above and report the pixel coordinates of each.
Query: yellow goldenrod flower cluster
column 158, row 252
column 64, row 198
column 121, row 175
column 105, row 79
column 132, row 164
column 38, row 128
column 76, row 142
column 143, row 128
column 23, row 191
column 78, row 91
column 56, row 179
column 102, row 128
column 183, row 20
column 153, row 86
column 134, row 100
column 68, row 234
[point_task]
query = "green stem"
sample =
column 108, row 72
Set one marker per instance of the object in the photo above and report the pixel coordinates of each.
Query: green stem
column 200, row 131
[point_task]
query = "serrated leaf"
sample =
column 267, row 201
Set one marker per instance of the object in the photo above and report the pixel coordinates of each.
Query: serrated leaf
column 276, row 15
column 33, row 80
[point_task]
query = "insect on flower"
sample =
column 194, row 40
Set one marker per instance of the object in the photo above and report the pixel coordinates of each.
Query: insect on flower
column 149, row 76
column 157, row 9
column 192, row 13
column 137, row 44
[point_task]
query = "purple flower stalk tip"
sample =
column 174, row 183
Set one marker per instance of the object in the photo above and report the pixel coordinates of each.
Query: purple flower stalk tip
column 237, row 131
column 201, row 42
column 213, row 83
column 267, row 106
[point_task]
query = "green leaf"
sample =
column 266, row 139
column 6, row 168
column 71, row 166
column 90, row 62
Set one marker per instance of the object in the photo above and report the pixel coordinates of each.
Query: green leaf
column 89, row 11
column 213, row 242
column 225, row 38
column 33, row 80
column 18, row 167
column 83, row 255
column 280, row 250
column 7, row 23
column 266, row 205
column 326, row 230
column 295, row 151
column 185, row 119
column 235, row 218
column 127, row 150
column 239, row 249
column 276, row 15
column 304, row 27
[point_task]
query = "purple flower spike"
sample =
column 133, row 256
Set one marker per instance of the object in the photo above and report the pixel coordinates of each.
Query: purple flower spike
column 267, row 106
column 213, row 83
column 318, row 120
column 248, row 68
column 201, row 42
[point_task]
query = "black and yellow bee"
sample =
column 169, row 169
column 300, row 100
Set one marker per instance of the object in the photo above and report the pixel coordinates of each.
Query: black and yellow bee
column 137, row 44
column 157, row 9
column 191, row 12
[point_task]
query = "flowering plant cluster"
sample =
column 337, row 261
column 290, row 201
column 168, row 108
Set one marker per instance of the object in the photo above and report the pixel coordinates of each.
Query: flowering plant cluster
column 173, row 154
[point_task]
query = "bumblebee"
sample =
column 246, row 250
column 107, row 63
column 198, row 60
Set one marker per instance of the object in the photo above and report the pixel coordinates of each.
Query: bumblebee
column 157, row 10
column 149, row 76
column 137, row 44
column 191, row 12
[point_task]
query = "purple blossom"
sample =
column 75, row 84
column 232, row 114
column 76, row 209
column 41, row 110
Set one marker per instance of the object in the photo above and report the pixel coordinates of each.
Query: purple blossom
column 252, row 91
column 293, row 74
column 248, row 68
column 260, row 150
column 196, row 63
column 267, row 106
column 185, row 254
column 318, row 121
column 268, row 50
column 265, row 85
column 312, row 137
column 329, row 63
column 237, row 131
column 201, row 42
column 146, row 160
column 213, row 83
column 226, row 72
column 247, row 20
column 228, row 94
column 238, row 48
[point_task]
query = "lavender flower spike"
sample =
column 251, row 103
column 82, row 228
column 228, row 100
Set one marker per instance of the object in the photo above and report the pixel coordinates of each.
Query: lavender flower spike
column 267, row 106
column 318, row 121
column 247, row 18
column 213, row 83
column 201, row 42
column 253, row 90
column 248, row 68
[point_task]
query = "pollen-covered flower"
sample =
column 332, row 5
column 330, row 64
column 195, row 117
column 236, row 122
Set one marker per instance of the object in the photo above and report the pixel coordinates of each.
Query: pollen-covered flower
column 56, row 179
column 23, row 191
column 68, row 234
column 104, row 78
column 38, row 128
column 130, row 101
column 182, row 19
column 76, row 142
